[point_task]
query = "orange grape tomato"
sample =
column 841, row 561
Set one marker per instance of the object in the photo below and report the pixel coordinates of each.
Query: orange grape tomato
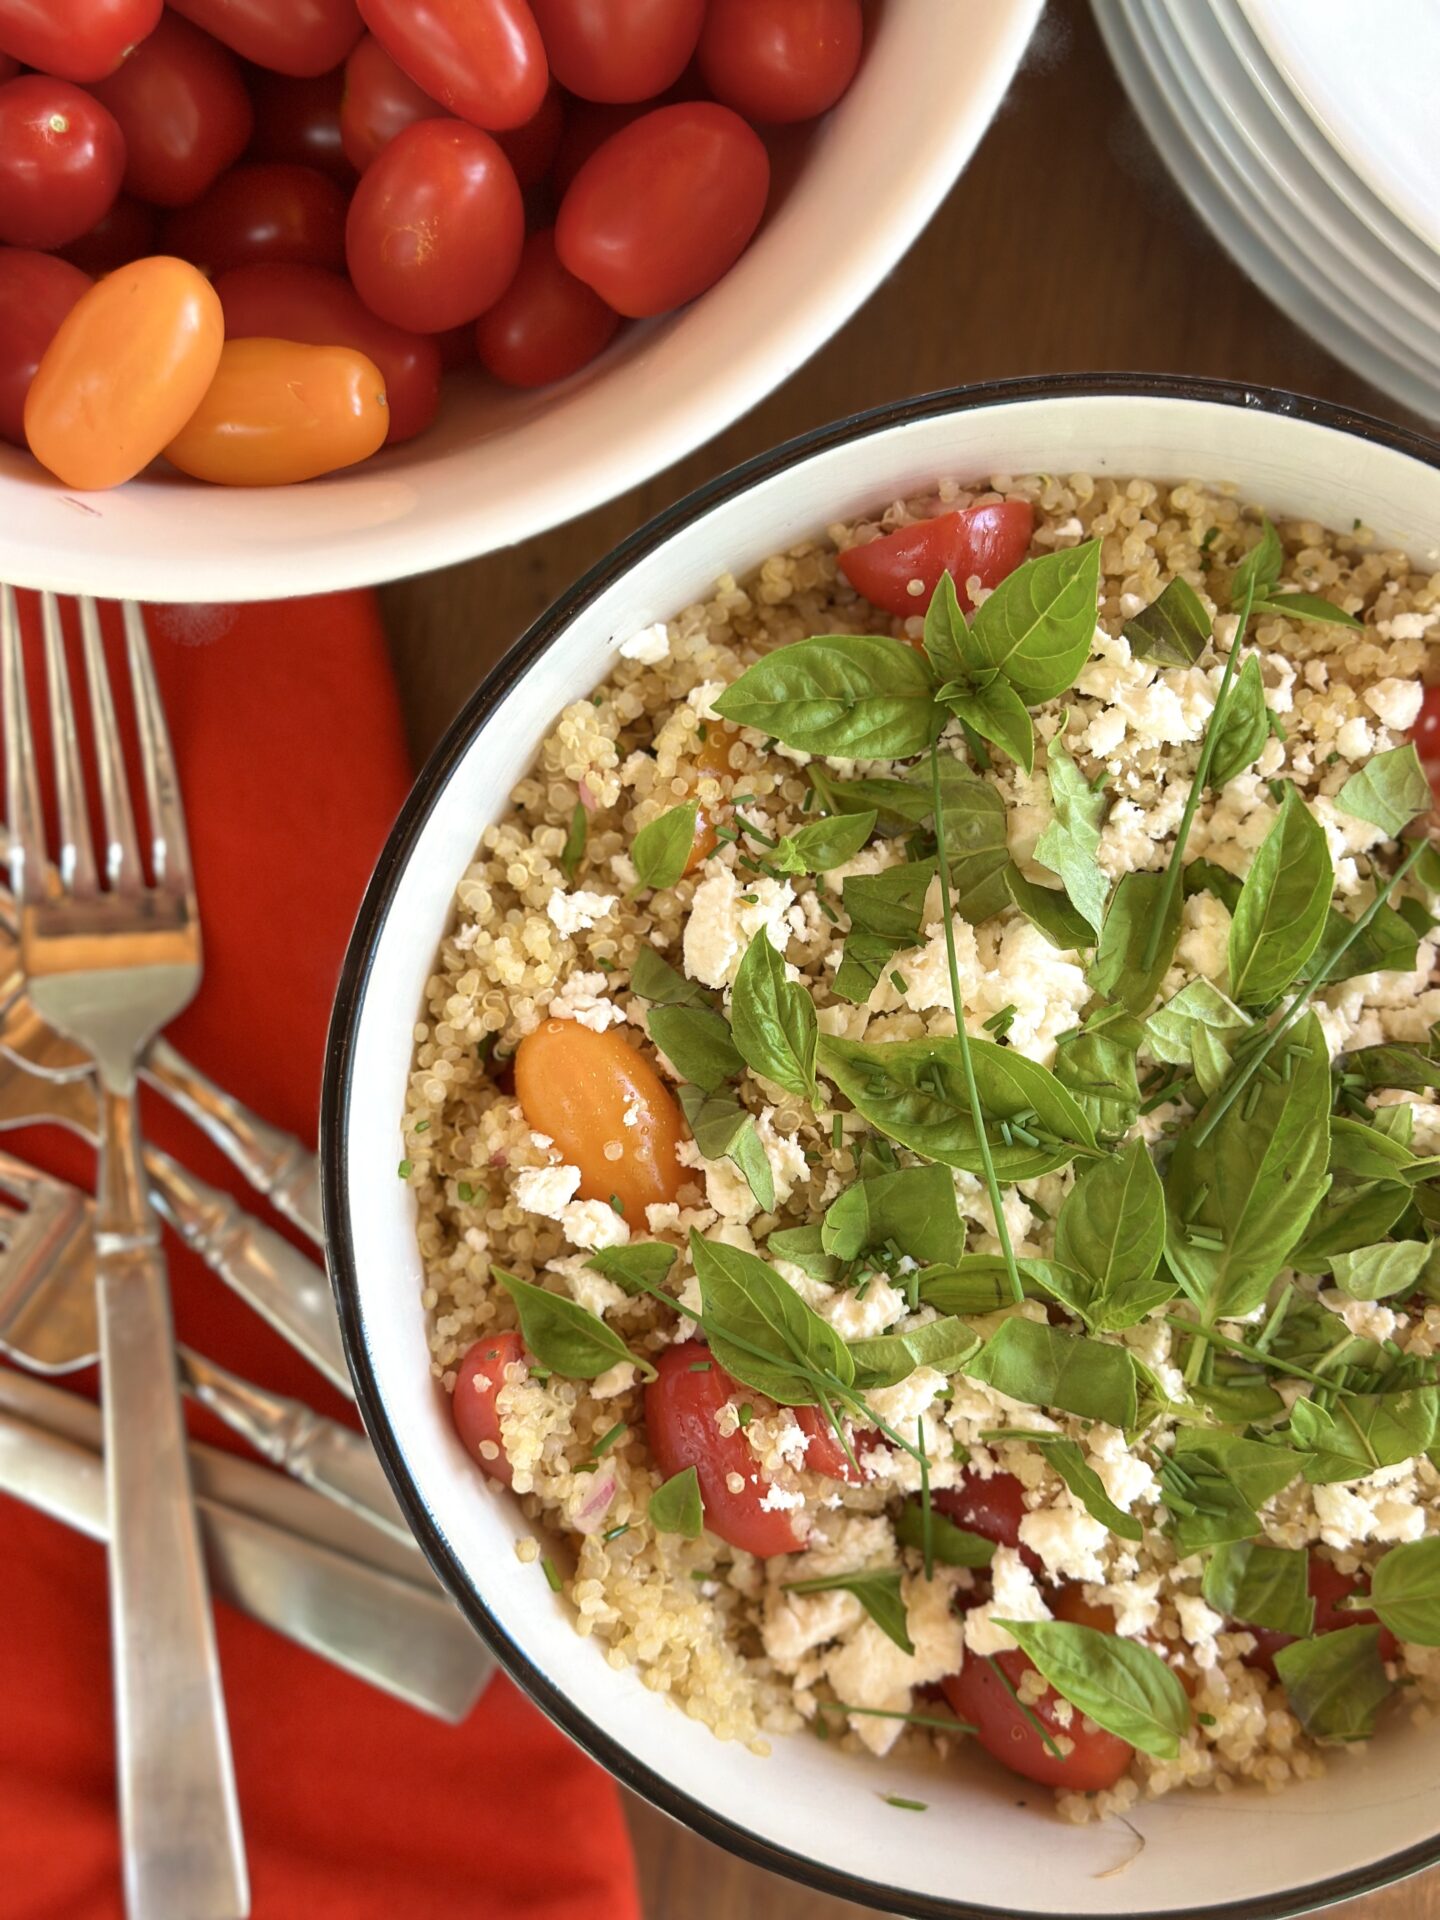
column 712, row 760
column 129, row 365
column 579, row 1087
column 278, row 412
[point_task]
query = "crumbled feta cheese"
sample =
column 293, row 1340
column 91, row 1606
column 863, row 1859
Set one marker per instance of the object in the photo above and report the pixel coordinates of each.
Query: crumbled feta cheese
column 583, row 999
column 650, row 646
column 1067, row 1540
column 857, row 1319
column 1125, row 1475
column 593, row 1223
column 902, row 1405
column 702, row 698
column 1198, row 1622
column 728, row 1192
column 869, row 1670
column 588, row 1289
column 724, row 918
column 614, row 1381
column 776, row 1499
column 1395, row 703
column 1204, row 944
column 1015, row 1597
column 546, row 1190
column 1405, row 626
column 570, row 912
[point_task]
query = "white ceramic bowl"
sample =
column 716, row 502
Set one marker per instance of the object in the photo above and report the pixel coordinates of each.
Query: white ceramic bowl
column 498, row 465
column 988, row 1844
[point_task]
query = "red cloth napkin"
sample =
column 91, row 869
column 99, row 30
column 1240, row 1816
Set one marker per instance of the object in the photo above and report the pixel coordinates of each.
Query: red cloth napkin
column 355, row 1806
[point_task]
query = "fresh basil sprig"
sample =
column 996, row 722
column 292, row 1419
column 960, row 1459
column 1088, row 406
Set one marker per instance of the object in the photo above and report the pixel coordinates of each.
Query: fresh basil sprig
column 1120, row 1684
column 698, row 1043
column 950, row 1545
column 1070, row 845
column 655, row 979
column 878, row 1591
column 888, row 1358
column 1138, row 940
column 563, row 1336
column 850, row 696
column 1261, row 1586
column 1042, row 1366
column 1405, row 1591
column 819, row 845
column 1388, row 791
column 1380, row 1271
column 1087, row 1486
column 661, row 849
column 676, row 1506
column 1096, row 1065
column 1037, row 627
column 1280, row 915
column 639, row 1267
column 914, row 1208
column 886, row 910
column 748, row 1307
column 773, row 1021
column 984, row 701
column 573, row 852
column 1242, row 728
column 1050, row 909
column 1111, row 1231
column 1335, row 1683
column 1173, row 631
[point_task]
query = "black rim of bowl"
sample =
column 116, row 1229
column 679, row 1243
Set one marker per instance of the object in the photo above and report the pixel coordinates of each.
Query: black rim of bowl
column 338, row 1090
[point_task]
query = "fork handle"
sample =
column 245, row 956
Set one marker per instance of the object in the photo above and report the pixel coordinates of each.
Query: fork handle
column 184, row 1856
column 273, row 1161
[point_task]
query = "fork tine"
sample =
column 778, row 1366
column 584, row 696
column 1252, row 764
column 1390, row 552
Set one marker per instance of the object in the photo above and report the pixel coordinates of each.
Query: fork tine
column 77, row 853
column 22, row 781
column 122, row 851
column 171, row 847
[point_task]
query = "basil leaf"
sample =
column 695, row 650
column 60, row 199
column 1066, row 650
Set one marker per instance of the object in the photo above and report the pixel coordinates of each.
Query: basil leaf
column 1173, row 1030
column 1405, row 1591
column 915, row 1208
column 1238, row 1403
column 950, row 1546
column 642, row 1264
column 976, row 1283
column 1096, row 1066
column 885, row 910
column 1173, row 631
column 698, row 1045
column 1204, row 876
column 724, row 1130
column 1409, row 1069
column 915, row 1091
column 573, row 852
column 1050, row 909
column 1362, row 1432
column 749, row 1155
column 1353, row 1214
column 1070, row 845
column 1043, row 1367
column 896, row 803
column 1244, row 725
column 1335, row 1683
column 661, row 849
column 1397, row 1122
column 889, row 1358
column 1111, row 1228
column 1280, row 914
column 1102, row 1311
column 654, row 979
column 944, row 629
column 1038, row 626
column 1259, row 572
column 1249, row 1190
column 822, row 844
column 1379, row 1272
column 997, row 713
column 1359, row 1147
column 1120, row 1684
column 803, row 1247
column 851, row 696
column 1088, row 1488
column 1305, row 606
column 976, row 842
column 773, row 1021
column 563, row 1336
column 1257, row 1469
column 745, row 1300
column 1213, row 1484
column 1388, row 791
column 1389, row 944
column 878, row 1591
column 1261, row 1586
column 676, row 1507
column 1119, row 971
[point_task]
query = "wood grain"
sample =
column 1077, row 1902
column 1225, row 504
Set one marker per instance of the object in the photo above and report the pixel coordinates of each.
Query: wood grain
column 1065, row 246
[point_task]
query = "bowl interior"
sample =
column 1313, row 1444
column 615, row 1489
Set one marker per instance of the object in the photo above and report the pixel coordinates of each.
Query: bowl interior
column 807, row 1808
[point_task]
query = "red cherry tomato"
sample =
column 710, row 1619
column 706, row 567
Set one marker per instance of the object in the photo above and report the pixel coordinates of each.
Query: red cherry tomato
column 61, row 158
column 1328, row 1587
column 182, row 106
column 531, row 149
column 36, row 292
column 664, row 208
column 456, row 348
column 824, row 1454
column 587, row 128
column 680, row 1408
column 992, row 1508
column 127, row 232
column 300, row 37
column 262, row 212
column 1426, row 735
column 269, row 302
column 481, row 59
column 989, row 541
column 435, row 227
column 379, row 101
column 472, row 1405
column 298, row 122
column 8, row 68
column 780, row 60
column 618, row 49
column 978, row 1695
column 75, row 39
column 546, row 324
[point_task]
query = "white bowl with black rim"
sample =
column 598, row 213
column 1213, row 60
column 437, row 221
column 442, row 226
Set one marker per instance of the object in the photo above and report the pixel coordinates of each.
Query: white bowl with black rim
column 987, row 1844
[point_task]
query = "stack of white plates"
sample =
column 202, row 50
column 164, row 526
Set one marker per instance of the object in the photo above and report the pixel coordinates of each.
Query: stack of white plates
column 1306, row 133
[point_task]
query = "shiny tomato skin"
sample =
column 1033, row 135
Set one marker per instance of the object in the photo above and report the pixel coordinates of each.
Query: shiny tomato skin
column 262, row 211
column 8, row 68
column 472, row 1405
column 824, row 1454
column 128, row 367
column 531, row 149
column 1328, row 1587
column 298, row 121
column 278, row 413
column 481, row 59
column 436, row 227
column 681, row 1404
column 1426, row 735
column 979, row 1697
column 61, row 159
column 379, row 101
column 587, row 128
column 618, row 50
column 664, row 208
column 181, row 102
column 298, row 37
column 546, row 324
column 988, row 541
column 79, row 40
column 322, row 309
column 780, row 60
column 126, row 232
column 37, row 291
column 992, row 1508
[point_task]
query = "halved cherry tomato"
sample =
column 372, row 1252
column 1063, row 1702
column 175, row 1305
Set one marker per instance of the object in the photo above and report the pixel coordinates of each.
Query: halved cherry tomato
column 75, row 39
column 324, row 310
column 262, row 212
column 125, row 233
column 1426, row 735
column 665, row 207
column 977, row 1694
column 681, row 1404
column 546, row 324
column 61, row 158
column 712, row 761
column 298, row 121
column 780, row 60
column 1328, row 1587
column 988, row 541
column 300, row 37
column 481, row 59
column 130, row 364
column 825, row 1454
column 531, row 149
column 617, row 50
column 380, row 100
column 36, row 292
column 579, row 1087
column 472, row 1405
column 436, row 227
column 1070, row 1604
column 278, row 412
column 992, row 1508
column 181, row 103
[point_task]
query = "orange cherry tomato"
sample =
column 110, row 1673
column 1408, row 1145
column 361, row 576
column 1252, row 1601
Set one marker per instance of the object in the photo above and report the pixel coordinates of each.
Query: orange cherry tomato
column 129, row 365
column 472, row 1405
column 578, row 1087
column 713, row 763
column 278, row 412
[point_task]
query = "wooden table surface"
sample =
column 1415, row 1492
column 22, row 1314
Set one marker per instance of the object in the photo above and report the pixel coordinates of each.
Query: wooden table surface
column 1065, row 246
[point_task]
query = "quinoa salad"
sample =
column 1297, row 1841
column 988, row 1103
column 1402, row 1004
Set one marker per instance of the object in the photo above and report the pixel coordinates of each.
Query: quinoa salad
column 1064, row 1381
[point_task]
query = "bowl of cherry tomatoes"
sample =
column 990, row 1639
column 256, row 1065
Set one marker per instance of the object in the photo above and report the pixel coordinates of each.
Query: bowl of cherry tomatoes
column 304, row 294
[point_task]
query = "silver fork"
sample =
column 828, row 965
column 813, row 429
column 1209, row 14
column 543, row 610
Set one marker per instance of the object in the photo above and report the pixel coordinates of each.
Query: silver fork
column 108, row 966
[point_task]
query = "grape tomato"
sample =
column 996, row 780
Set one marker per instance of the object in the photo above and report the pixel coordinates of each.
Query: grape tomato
column 299, row 37
column 379, row 101
column 780, row 60
column 298, row 121
column 75, row 39
column 62, row 156
column 618, row 50
column 278, row 412
column 481, row 59
column 125, row 232
column 979, row 1696
column 37, row 291
column 262, row 211
column 481, row 1375
column 531, row 149
column 546, row 324
column 181, row 103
